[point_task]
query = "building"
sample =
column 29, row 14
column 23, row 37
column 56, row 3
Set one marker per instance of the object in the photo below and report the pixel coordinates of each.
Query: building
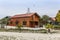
column 52, row 20
column 26, row 20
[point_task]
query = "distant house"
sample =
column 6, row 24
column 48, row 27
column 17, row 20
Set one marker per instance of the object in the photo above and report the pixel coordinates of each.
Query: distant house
column 26, row 20
column 52, row 20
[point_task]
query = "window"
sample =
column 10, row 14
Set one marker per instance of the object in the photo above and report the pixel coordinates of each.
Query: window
column 24, row 22
column 36, row 23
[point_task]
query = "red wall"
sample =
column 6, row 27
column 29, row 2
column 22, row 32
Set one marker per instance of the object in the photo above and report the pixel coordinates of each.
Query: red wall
column 32, row 18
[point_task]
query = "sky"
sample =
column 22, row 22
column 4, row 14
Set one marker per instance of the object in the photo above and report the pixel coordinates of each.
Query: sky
column 42, row 7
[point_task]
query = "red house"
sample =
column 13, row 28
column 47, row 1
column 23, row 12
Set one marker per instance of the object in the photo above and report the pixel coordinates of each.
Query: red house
column 26, row 20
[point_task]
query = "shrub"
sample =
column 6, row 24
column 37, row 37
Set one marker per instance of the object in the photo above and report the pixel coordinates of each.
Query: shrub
column 49, row 26
column 57, row 26
column 19, row 26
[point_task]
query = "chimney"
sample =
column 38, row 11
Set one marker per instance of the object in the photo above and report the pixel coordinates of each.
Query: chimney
column 28, row 10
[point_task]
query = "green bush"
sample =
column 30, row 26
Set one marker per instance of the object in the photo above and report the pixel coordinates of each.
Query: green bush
column 49, row 26
column 56, row 26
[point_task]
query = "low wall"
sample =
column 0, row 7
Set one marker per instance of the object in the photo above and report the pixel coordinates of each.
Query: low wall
column 10, row 27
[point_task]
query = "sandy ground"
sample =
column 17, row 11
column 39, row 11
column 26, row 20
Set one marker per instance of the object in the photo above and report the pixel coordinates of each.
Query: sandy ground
column 28, row 36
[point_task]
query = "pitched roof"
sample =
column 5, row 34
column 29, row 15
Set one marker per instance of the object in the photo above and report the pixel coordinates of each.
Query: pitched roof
column 23, row 15
column 53, row 18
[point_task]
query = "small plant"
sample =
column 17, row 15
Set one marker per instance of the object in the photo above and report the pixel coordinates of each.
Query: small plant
column 19, row 26
column 49, row 27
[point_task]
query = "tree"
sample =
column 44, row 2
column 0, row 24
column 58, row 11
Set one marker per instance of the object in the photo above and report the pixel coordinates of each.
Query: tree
column 4, row 21
column 45, row 18
column 58, row 17
column 40, row 22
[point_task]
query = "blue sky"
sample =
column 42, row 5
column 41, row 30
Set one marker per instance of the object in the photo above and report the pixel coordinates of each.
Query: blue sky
column 42, row 7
